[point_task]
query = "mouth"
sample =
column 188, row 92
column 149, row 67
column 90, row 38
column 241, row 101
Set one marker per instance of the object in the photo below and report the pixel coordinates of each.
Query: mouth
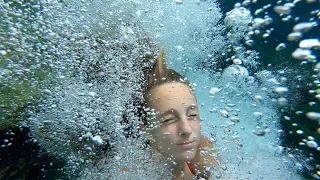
column 186, row 143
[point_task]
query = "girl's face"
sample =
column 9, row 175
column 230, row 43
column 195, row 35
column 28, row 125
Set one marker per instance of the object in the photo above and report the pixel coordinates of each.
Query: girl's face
column 175, row 126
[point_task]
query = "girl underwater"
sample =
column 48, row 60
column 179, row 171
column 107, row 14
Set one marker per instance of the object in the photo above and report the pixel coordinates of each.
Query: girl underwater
column 171, row 119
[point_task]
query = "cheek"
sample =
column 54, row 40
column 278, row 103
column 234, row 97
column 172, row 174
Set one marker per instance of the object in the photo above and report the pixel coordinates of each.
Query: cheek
column 196, row 125
column 164, row 134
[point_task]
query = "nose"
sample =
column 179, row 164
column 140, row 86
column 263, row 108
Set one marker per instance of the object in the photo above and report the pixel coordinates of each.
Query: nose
column 185, row 128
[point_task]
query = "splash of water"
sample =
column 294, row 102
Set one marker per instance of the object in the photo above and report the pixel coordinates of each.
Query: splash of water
column 98, row 50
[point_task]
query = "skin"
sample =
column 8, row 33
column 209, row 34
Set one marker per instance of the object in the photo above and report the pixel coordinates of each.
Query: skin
column 175, row 128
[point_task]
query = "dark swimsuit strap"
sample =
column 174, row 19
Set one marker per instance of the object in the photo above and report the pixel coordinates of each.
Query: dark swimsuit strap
column 191, row 168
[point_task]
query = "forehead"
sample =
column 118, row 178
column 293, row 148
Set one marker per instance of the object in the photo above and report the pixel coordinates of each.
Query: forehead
column 170, row 95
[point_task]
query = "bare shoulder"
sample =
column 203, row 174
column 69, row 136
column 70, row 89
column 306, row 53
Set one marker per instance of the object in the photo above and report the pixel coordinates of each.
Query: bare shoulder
column 206, row 157
column 204, row 142
column 207, row 153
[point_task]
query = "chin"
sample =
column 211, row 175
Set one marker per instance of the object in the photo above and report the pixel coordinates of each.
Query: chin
column 187, row 155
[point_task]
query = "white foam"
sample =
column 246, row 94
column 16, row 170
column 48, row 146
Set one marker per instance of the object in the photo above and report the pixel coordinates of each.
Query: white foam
column 109, row 39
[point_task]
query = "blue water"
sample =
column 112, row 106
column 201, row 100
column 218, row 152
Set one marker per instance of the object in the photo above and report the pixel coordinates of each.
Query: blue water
column 78, row 65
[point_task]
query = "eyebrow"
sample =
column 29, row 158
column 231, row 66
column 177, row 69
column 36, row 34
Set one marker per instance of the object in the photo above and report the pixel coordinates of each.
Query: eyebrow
column 175, row 111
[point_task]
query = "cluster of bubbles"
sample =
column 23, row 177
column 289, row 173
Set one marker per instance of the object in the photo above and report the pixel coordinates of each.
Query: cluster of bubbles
column 279, row 92
column 74, row 67
column 242, row 118
column 27, row 58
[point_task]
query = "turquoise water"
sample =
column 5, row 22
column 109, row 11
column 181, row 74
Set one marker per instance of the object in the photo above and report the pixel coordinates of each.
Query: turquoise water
column 69, row 69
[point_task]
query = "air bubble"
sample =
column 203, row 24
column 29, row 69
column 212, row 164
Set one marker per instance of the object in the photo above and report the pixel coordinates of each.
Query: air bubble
column 265, row 35
column 311, row 1
column 281, row 90
column 257, row 114
column 310, row 138
column 92, row 94
column 228, row 109
column 97, row 139
column 235, row 119
column 245, row 2
column 237, row 61
column 312, row 144
column 224, row 113
column 301, row 54
column 294, row 36
column 299, row 132
column 3, row 52
column 259, row 99
column 249, row 42
column 305, row 26
column 309, row 43
column 313, row 116
column 282, row 9
column 282, row 101
column 214, row 91
column 281, row 47
column 259, row 132
column 46, row 91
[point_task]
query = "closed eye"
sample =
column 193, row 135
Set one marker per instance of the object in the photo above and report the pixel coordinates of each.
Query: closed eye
column 168, row 120
column 193, row 116
column 192, row 112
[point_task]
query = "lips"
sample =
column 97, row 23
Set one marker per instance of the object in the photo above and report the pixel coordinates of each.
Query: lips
column 186, row 143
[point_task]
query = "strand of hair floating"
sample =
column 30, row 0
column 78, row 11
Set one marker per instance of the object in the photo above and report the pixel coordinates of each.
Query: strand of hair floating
column 161, row 64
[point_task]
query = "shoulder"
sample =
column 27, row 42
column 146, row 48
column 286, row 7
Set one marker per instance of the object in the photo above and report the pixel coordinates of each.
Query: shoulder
column 206, row 152
column 206, row 157
column 204, row 142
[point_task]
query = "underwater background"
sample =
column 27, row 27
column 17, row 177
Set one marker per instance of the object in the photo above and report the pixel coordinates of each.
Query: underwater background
column 21, row 155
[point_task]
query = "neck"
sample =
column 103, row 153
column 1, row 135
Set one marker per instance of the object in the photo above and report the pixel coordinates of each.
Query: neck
column 176, row 167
